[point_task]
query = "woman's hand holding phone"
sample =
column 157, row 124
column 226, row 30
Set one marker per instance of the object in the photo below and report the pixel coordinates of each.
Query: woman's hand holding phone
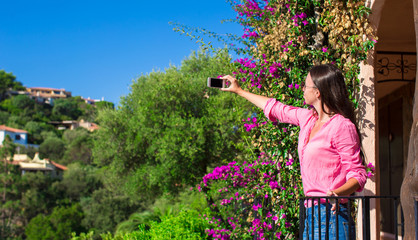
column 233, row 86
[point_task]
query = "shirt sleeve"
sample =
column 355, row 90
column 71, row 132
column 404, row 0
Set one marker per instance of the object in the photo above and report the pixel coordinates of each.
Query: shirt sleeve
column 277, row 111
column 347, row 143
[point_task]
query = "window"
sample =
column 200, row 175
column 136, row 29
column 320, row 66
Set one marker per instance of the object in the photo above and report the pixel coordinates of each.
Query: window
column 17, row 137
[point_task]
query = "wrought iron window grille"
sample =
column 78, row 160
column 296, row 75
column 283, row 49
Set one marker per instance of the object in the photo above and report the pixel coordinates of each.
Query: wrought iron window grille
column 395, row 66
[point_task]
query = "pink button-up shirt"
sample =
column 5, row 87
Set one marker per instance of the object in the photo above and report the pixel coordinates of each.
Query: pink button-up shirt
column 331, row 157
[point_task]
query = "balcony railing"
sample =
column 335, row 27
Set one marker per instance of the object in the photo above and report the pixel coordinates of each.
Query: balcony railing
column 392, row 203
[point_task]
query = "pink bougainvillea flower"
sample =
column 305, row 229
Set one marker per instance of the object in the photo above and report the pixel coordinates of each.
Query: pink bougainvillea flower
column 324, row 49
column 256, row 207
column 274, row 184
column 256, row 222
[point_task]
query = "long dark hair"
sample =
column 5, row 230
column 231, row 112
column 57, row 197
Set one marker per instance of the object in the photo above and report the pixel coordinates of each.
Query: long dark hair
column 329, row 80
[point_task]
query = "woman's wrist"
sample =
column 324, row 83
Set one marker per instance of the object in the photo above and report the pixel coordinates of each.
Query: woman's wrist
column 240, row 91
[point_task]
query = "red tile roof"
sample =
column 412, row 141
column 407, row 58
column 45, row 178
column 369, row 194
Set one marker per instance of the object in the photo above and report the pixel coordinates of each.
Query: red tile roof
column 9, row 129
column 94, row 126
column 62, row 167
column 47, row 88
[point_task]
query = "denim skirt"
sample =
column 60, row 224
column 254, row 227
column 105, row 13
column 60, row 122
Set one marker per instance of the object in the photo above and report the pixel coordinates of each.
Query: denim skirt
column 340, row 230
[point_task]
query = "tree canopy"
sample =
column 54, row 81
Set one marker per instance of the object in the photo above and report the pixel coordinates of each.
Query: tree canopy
column 8, row 82
column 170, row 128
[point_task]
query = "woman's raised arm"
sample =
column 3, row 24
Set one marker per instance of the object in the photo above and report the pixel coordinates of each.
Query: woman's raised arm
column 258, row 100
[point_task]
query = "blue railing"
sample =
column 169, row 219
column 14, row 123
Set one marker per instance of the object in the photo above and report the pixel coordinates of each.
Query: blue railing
column 353, row 201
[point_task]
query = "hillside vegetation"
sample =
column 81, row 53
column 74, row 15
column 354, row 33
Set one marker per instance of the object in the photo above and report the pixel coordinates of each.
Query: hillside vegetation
column 136, row 171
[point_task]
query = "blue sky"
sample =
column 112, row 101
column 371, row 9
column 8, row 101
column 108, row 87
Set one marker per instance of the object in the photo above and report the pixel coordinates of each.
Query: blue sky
column 96, row 48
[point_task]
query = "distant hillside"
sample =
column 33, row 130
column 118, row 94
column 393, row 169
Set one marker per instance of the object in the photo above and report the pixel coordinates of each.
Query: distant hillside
column 39, row 111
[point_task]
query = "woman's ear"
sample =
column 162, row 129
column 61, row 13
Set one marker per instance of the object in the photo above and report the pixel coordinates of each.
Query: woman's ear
column 317, row 93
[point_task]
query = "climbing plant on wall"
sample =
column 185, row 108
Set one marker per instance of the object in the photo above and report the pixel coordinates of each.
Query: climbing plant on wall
column 282, row 40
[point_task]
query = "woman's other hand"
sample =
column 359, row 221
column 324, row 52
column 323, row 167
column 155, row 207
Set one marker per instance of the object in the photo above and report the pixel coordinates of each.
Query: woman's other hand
column 334, row 205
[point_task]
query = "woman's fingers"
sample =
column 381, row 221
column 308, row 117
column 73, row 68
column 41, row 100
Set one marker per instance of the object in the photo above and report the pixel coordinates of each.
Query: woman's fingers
column 233, row 87
column 334, row 205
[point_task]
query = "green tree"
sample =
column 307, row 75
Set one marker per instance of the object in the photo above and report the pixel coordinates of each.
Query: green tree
column 79, row 181
column 104, row 210
column 59, row 225
column 9, row 205
column 4, row 117
column 52, row 148
column 104, row 104
column 79, row 143
column 87, row 111
column 37, row 195
column 39, row 228
column 21, row 109
column 66, row 220
column 169, row 129
column 34, row 131
column 66, row 109
column 8, row 82
column 23, row 102
column 42, row 112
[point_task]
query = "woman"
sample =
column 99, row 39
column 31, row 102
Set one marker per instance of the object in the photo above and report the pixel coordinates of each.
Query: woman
column 329, row 145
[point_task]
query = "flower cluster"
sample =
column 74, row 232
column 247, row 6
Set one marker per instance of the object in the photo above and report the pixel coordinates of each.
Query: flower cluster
column 296, row 86
column 299, row 18
column 222, row 234
column 287, row 45
column 254, row 9
column 255, row 188
column 274, row 70
column 248, row 34
column 251, row 123
column 370, row 169
column 256, row 72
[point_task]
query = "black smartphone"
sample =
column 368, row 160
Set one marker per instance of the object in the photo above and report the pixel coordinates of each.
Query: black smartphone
column 216, row 82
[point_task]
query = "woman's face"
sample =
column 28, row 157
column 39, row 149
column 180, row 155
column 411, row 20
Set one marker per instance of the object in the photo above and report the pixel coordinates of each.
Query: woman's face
column 310, row 91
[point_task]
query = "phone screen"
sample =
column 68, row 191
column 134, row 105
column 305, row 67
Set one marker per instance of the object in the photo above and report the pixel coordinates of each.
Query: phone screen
column 215, row 82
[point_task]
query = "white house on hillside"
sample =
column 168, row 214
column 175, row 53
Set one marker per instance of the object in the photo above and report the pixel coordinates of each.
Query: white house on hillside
column 37, row 164
column 18, row 136
column 47, row 95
